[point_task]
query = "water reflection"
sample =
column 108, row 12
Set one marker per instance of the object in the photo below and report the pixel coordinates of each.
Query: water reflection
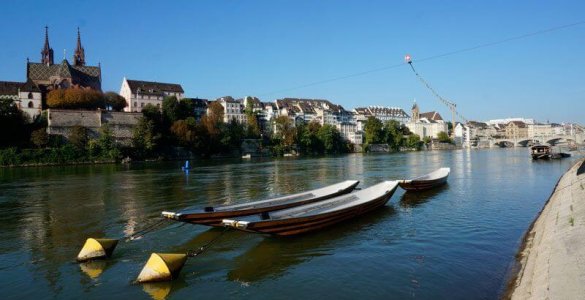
column 273, row 256
column 468, row 236
column 414, row 199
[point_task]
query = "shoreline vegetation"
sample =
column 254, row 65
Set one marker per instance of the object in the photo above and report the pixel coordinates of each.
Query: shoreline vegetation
column 173, row 133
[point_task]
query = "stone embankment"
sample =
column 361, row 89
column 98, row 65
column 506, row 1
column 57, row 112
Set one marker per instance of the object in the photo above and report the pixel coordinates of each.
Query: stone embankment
column 552, row 259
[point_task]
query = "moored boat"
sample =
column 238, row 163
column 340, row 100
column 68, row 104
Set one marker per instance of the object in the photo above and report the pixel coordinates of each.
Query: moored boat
column 213, row 215
column 425, row 182
column 540, row 152
column 318, row 215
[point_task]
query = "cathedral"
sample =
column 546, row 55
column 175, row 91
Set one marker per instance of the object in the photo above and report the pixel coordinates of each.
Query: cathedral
column 45, row 76
column 49, row 76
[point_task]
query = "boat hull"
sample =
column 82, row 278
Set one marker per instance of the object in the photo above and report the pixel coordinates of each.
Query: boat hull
column 420, row 185
column 299, row 225
column 214, row 218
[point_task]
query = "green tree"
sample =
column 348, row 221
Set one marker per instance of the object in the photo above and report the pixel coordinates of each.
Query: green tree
column 170, row 110
column 115, row 101
column 232, row 136
column 105, row 145
column 393, row 134
column 39, row 137
column 285, row 133
column 12, row 124
column 307, row 138
column 144, row 137
column 413, row 142
column 374, row 131
column 252, row 124
column 331, row 139
column 443, row 137
column 79, row 137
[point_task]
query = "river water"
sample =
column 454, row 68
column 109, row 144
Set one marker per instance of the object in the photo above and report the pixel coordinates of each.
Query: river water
column 455, row 242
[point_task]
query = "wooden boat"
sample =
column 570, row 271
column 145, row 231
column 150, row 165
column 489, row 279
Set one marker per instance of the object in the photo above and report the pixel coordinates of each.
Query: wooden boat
column 431, row 180
column 540, row 152
column 546, row 152
column 213, row 216
column 318, row 215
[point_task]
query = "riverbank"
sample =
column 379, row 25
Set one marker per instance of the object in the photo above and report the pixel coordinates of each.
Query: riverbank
column 552, row 257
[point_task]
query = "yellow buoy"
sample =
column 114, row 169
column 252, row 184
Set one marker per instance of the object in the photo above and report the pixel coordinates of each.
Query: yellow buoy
column 93, row 269
column 158, row 290
column 162, row 267
column 96, row 249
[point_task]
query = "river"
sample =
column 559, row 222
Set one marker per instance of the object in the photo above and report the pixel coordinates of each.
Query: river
column 455, row 242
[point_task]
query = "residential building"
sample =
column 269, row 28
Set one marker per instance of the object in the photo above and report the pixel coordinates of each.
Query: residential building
column 26, row 95
column 232, row 109
column 382, row 113
column 139, row 93
column 349, row 132
column 539, row 131
column 516, row 130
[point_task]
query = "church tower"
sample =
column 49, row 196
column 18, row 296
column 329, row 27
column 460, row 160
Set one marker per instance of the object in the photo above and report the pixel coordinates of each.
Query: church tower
column 415, row 113
column 79, row 55
column 47, row 53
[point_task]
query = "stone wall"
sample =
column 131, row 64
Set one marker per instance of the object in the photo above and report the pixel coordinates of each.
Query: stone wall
column 121, row 124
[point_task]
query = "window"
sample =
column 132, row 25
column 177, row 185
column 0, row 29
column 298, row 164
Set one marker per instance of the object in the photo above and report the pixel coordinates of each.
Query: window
column 135, row 104
column 141, row 104
column 30, row 104
column 30, row 96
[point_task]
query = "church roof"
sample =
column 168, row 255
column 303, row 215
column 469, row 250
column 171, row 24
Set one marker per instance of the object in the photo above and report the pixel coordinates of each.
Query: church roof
column 9, row 87
column 153, row 88
column 86, row 76
column 431, row 116
column 12, row 88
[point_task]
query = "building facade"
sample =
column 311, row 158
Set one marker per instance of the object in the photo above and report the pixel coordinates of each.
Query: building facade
column 139, row 93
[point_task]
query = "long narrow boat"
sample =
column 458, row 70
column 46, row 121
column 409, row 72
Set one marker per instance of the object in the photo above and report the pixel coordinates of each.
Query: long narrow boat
column 315, row 216
column 213, row 215
column 425, row 182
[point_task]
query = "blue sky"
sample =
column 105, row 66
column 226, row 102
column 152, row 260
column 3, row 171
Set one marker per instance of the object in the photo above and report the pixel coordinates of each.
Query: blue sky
column 267, row 48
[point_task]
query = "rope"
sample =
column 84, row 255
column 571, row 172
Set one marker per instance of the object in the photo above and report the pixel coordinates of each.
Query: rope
column 449, row 104
column 148, row 229
column 198, row 251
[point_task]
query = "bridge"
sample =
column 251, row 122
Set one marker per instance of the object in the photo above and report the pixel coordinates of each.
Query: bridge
column 577, row 139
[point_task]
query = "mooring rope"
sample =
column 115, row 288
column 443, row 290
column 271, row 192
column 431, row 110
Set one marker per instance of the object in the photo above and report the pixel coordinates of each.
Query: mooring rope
column 198, row 251
column 148, row 229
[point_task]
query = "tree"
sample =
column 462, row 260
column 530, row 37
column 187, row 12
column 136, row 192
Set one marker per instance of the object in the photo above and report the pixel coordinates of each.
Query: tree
column 252, row 126
column 285, row 132
column 105, row 145
column 443, row 137
column 307, row 138
column 331, row 139
column 79, row 137
column 184, row 131
column 115, row 101
column 374, row 131
column 186, row 109
column 413, row 142
column 144, row 137
column 12, row 124
column 75, row 98
column 170, row 110
column 232, row 135
column 393, row 134
column 39, row 137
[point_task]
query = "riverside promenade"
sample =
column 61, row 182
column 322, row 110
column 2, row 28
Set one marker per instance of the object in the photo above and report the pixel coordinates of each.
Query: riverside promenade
column 552, row 257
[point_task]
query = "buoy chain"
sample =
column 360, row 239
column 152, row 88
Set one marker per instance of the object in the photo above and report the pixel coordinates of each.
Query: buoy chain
column 198, row 251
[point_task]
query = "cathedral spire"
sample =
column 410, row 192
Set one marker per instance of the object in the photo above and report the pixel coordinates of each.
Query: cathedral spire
column 79, row 55
column 47, row 52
